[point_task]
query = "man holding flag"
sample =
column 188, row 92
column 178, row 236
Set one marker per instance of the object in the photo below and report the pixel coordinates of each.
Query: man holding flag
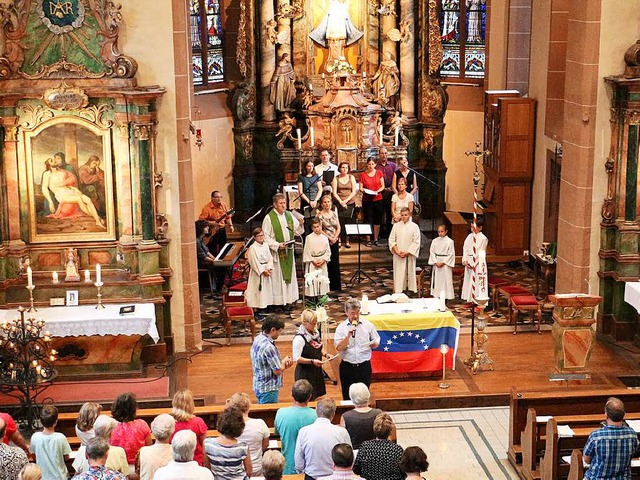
column 355, row 338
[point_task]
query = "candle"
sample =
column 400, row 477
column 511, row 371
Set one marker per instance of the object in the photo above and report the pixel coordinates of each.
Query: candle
column 29, row 277
column 364, row 74
column 87, row 276
column 397, row 135
column 98, row 273
column 311, row 87
column 299, row 138
column 54, row 276
column 443, row 304
column 381, row 136
column 364, row 308
column 313, row 137
column 323, row 76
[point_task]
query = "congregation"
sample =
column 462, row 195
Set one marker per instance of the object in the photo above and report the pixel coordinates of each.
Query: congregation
column 178, row 446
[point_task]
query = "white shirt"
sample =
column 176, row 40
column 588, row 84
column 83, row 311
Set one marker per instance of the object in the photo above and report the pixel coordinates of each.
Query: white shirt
column 359, row 348
column 321, row 168
column 183, row 471
column 314, row 445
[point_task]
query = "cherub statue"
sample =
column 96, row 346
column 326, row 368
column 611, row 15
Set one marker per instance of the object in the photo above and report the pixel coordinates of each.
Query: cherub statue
column 396, row 122
column 387, row 7
column 270, row 31
column 284, row 11
column 286, row 125
column 405, row 31
column 71, row 265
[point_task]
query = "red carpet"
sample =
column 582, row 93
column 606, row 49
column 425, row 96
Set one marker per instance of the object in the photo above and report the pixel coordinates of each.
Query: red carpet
column 99, row 390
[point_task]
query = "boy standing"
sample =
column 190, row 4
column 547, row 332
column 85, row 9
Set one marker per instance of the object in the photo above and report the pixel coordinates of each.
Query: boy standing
column 49, row 447
column 442, row 256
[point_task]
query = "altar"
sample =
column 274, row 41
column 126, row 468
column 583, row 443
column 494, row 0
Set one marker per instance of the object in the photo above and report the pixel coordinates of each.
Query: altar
column 90, row 340
column 410, row 338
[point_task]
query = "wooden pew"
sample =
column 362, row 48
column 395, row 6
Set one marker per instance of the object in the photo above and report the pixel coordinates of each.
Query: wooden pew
column 209, row 413
column 559, row 404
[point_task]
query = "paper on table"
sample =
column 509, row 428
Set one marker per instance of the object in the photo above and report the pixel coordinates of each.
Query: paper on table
column 567, row 459
column 346, row 402
column 565, row 431
column 330, row 358
column 635, row 424
column 234, row 293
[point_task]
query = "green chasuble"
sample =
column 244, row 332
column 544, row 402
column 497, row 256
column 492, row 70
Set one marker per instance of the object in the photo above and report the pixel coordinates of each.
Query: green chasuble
column 286, row 256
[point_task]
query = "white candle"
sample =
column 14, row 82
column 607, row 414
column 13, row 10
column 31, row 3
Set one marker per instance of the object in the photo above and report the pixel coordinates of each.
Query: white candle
column 87, row 276
column 364, row 74
column 381, row 136
column 29, row 277
column 397, row 135
column 313, row 137
column 54, row 276
column 98, row 273
column 299, row 138
column 364, row 307
column 323, row 76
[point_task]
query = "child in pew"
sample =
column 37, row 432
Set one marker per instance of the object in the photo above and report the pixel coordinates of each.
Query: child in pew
column 50, row 448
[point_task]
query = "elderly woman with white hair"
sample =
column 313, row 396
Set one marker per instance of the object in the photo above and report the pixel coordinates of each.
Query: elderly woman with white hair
column 152, row 457
column 183, row 446
column 116, row 457
column 359, row 421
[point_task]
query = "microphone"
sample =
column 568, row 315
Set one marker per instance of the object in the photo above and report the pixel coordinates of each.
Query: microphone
column 354, row 323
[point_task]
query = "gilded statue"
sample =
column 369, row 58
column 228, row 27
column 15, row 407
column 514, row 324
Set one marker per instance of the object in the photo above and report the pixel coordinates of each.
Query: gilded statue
column 283, row 90
column 386, row 81
column 336, row 31
column 270, row 31
column 405, row 31
column 71, row 265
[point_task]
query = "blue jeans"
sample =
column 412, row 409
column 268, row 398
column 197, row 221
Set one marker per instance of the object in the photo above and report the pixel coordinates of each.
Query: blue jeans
column 268, row 397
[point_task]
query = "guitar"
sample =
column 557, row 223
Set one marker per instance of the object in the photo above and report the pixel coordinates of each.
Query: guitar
column 228, row 213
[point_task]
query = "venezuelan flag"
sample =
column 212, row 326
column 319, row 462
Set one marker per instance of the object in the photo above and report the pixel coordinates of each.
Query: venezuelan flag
column 410, row 342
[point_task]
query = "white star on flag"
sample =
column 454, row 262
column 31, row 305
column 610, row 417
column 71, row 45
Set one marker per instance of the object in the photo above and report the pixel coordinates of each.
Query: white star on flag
column 422, row 340
column 402, row 334
column 395, row 337
column 389, row 342
column 386, row 349
column 426, row 347
column 409, row 334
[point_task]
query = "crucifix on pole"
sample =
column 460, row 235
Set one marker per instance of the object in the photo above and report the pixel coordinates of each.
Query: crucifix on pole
column 477, row 155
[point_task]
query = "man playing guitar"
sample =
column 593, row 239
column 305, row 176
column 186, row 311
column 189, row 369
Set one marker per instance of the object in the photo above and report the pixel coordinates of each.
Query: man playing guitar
column 218, row 215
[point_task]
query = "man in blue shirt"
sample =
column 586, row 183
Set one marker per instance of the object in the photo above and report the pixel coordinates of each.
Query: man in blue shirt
column 267, row 365
column 609, row 449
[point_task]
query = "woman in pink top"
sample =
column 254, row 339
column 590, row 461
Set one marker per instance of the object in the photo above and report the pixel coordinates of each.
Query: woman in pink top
column 183, row 407
column 131, row 433
column 371, row 184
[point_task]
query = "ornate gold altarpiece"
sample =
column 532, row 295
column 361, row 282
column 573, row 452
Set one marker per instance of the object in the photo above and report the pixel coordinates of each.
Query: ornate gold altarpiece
column 337, row 82
column 77, row 161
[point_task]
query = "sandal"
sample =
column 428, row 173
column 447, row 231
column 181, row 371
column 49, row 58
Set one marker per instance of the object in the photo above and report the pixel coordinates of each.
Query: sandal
column 376, row 243
column 368, row 244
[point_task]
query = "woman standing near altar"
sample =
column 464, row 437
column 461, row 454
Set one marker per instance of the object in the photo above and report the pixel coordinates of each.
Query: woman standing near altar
column 344, row 190
column 330, row 225
column 400, row 200
column 307, row 353
column 372, row 183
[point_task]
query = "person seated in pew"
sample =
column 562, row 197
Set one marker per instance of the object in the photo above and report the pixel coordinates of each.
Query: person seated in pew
column 609, row 449
column 96, row 452
column 116, row 456
column 183, row 445
column 152, row 457
column 342, row 456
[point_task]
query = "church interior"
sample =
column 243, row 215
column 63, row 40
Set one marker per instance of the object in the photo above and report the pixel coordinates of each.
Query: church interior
column 118, row 120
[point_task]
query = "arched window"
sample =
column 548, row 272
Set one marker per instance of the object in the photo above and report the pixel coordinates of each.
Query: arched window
column 463, row 35
column 207, row 62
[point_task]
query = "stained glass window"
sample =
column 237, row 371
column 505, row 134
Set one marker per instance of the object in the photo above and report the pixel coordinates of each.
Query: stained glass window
column 463, row 33
column 206, row 42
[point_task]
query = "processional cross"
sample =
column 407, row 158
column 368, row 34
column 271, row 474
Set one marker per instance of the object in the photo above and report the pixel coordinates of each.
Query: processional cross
column 477, row 155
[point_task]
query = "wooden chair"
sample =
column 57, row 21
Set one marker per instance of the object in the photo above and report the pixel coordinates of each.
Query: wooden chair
column 233, row 300
column 239, row 314
column 523, row 303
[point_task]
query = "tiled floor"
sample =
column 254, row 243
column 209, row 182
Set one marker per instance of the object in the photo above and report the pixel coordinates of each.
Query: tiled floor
column 465, row 444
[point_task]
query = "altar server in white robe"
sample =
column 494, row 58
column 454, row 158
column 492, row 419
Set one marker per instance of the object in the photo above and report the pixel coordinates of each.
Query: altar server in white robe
column 468, row 261
column 279, row 228
column 404, row 243
column 259, row 293
column 315, row 256
column 442, row 255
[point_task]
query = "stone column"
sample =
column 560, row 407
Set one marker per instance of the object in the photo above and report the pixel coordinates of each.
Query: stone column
column 11, row 176
column 388, row 22
column 408, row 62
column 121, row 156
column 142, row 133
column 267, row 62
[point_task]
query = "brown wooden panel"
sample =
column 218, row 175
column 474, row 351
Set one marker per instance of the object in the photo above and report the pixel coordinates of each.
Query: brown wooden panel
column 518, row 117
column 513, row 234
column 516, row 158
column 515, row 199
column 458, row 229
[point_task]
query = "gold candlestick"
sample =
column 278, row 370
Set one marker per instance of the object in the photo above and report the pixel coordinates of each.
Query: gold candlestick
column 31, row 308
column 99, row 287
column 444, row 349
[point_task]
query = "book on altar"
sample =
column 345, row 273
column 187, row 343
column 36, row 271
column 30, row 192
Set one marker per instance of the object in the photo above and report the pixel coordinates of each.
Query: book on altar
column 394, row 298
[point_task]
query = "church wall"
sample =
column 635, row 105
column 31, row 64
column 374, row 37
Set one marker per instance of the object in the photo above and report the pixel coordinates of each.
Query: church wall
column 157, row 67
column 619, row 30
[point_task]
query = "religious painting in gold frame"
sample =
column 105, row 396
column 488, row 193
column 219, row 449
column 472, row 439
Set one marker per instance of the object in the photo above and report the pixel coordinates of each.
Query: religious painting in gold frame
column 69, row 181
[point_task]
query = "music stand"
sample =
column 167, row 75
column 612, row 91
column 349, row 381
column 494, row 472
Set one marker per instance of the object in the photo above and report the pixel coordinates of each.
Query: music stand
column 359, row 229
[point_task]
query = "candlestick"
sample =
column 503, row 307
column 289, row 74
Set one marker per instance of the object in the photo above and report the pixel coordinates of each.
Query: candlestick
column 31, row 307
column 87, row 276
column 98, row 273
column 299, row 138
column 54, row 277
column 313, row 138
column 397, row 135
column 99, row 285
column 29, row 277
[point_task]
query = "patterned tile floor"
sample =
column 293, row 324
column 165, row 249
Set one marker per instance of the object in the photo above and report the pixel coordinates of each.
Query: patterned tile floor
column 465, row 444
column 517, row 273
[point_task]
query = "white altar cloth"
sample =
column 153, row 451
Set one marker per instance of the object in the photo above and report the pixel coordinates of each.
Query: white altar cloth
column 87, row 320
column 414, row 306
column 632, row 294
